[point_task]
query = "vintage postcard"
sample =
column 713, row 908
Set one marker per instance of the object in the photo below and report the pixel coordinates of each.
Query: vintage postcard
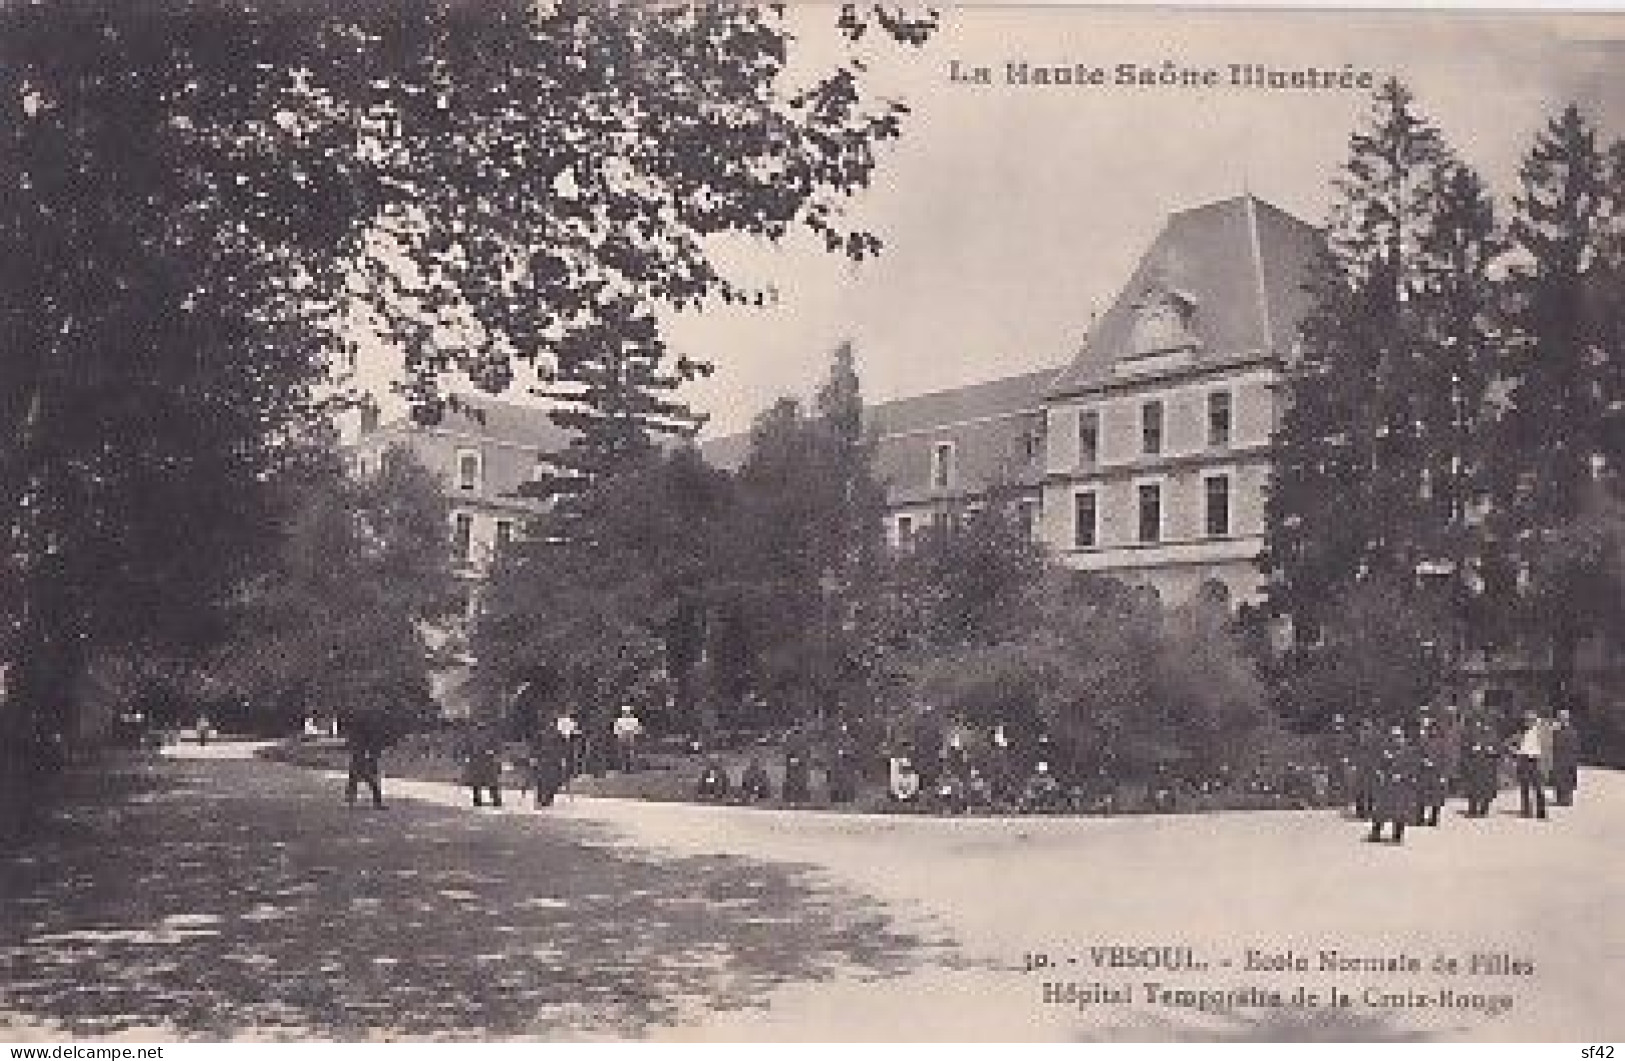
column 594, row 521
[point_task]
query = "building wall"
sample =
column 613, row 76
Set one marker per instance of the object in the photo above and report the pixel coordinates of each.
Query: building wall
column 503, row 468
column 1005, row 449
column 1186, row 553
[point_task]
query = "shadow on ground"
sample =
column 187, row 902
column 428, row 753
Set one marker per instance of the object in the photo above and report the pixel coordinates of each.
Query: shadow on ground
column 221, row 899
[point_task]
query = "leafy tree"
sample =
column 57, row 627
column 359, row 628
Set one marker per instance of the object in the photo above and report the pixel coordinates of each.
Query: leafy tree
column 612, row 598
column 202, row 191
column 560, row 171
column 341, row 623
column 178, row 204
column 970, row 581
column 1115, row 680
column 806, row 557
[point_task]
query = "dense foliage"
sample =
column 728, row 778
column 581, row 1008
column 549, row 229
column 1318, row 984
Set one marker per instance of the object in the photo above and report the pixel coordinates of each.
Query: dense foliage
column 1454, row 427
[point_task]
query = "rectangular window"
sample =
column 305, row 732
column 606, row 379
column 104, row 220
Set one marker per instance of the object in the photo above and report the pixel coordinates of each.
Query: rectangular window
column 468, row 469
column 1150, row 495
column 1218, row 505
column 942, row 465
column 462, row 537
column 1084, row 533
column 905, row 531
column 504, row 533
column 1151, row 428
column 1218, row 418
column 1088, row 436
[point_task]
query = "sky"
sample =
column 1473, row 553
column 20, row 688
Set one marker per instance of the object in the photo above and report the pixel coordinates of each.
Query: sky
column 1011, row 214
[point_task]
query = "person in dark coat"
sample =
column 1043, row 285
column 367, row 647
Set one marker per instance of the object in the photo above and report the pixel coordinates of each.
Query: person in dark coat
column 1565, row 760
column 1480, row 768
column 714, row 785
column 1393, row 786
column 482, row 766
column 1367, row 752
column 1433, row 783
column 1337, row 753
column 842, row 770
column 547, row 764
column 754, row 785
column 364, row 736
column 1451, row 728
column 797, row 774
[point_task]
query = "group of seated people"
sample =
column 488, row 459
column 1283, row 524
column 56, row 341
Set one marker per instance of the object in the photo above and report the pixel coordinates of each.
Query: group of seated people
column 756, row 785
column 1007, row 776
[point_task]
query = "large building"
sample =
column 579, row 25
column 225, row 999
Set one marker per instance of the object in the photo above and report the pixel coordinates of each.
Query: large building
column 1147, row 456
column 1157, row 454
column 484, row 451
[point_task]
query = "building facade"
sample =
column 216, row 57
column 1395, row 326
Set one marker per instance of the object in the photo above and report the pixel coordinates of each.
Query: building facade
column 1158, row 434
column 484, row 452
column 1147, row 456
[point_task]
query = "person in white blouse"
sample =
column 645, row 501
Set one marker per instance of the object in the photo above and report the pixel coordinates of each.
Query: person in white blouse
column 1529, row 750
column 627, row 729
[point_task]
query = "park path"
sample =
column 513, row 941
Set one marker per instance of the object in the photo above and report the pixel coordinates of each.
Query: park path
column 615, row 918
column 210, row 895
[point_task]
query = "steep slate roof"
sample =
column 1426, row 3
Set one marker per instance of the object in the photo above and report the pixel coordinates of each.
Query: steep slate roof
column 968, row 405
column 503, row 421
column 1240, row 261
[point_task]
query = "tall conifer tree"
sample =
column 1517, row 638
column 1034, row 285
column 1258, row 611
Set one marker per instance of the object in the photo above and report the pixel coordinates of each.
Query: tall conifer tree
column 1352, row 479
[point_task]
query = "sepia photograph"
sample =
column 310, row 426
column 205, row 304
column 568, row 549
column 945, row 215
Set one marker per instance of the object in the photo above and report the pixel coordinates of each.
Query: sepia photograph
column 595, row 521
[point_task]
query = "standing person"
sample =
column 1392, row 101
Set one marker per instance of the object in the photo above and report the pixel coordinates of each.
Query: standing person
column 1451, row 730
column 365, row 738
column 755, row 786
column 797, row 773
column 1368, row 746
column 482, row 766
column 842, row 769
column 547, row 764
column 1433, row 783
column 628, row 729
column 1337, row 754
column 202, row 730
column 1528, row 749
column 926, row 745
column 570, row 736
column 1000, row 764
column 1565, row 760
column 1393, row 791
column 1480, row 768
